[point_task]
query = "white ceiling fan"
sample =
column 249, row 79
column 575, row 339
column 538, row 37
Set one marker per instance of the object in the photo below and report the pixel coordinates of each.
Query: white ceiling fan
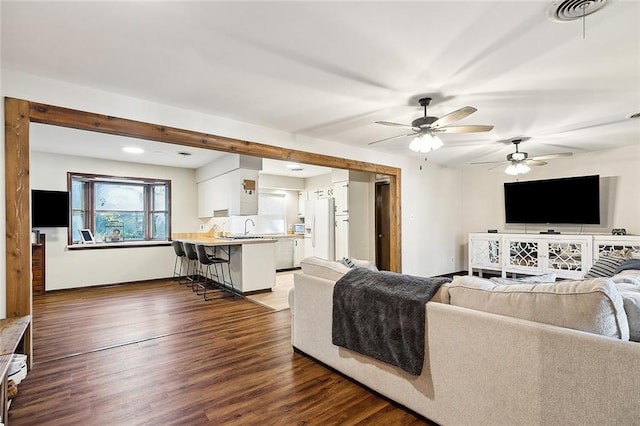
column 519, row 162
column 425, row 128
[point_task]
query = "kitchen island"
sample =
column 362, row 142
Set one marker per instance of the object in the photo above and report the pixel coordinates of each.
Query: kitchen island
column 252, row 260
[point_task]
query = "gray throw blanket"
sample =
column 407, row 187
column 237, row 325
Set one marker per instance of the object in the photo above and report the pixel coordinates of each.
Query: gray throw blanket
column 382, row 315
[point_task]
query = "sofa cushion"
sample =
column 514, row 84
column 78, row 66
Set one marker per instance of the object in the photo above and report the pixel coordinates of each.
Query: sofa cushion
column 544, row 278
column 605, row 266
column 631, row 300
column 593, row 306
column 322, row 268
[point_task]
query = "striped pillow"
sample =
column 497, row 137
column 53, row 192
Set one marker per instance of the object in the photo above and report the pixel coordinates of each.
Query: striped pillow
column 605, row 266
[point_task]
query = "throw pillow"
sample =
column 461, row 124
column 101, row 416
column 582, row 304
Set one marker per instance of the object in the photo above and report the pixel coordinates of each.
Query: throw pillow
column 628, row 264
column 631, row 301
column 605, row 266
column 544, row 278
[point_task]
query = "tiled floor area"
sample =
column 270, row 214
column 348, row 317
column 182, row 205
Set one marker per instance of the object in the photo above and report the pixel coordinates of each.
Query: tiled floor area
column 278, row 299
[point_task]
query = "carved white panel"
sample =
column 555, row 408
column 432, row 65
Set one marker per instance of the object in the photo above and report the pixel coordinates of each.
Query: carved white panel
column 565, row 256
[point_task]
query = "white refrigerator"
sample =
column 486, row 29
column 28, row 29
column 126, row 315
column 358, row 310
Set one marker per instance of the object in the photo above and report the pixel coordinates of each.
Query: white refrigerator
column 319, row 228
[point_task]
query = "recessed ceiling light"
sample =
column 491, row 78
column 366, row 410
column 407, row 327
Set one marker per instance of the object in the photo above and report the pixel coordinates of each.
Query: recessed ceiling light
column 133, row 150
column 293, row 166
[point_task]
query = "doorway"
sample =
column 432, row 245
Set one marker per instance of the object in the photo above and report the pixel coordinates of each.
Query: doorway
column 383, row 227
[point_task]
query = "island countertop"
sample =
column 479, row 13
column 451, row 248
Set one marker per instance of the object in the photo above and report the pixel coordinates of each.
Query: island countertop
column 252, row 264
column 225, row 241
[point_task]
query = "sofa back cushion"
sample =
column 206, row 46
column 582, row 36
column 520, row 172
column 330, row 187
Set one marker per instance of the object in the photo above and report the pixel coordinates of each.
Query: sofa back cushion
column 322, row 268
column 594, row 306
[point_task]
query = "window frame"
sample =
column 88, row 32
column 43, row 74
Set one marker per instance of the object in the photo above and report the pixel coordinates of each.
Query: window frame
column 89, row 209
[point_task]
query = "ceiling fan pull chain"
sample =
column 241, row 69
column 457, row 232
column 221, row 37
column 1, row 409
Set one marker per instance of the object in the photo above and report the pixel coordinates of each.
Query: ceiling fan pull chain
column 583, row 22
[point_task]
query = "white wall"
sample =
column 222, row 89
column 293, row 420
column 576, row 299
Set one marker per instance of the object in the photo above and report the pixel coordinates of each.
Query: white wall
column 419, row 190
column 83, row 268
column 432, row 230
column 619, row 170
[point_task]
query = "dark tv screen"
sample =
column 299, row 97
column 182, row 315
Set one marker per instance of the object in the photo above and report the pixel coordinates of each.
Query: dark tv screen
column 574, row 200
column 49, row 209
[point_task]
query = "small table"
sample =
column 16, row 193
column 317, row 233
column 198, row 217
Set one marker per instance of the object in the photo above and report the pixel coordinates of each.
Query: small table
column 11, row 335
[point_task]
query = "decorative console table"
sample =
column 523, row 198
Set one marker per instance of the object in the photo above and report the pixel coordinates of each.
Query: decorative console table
column 568, row 255
column 12, row 332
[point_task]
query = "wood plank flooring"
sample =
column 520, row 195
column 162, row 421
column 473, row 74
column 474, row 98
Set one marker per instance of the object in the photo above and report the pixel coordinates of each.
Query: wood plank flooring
column 154, row 353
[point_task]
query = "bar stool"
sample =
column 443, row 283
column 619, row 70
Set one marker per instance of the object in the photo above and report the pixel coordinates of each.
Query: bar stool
column 206, row 260
column 181, row 256
column 190, row 251
column 226, row 260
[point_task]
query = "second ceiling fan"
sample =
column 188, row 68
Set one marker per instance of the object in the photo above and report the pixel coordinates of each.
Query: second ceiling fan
column 519, row 162
column 425, row 128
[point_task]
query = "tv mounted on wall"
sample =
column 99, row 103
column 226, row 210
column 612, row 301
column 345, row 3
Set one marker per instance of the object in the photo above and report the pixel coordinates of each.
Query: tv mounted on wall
column 49, row 209
column 574, row 200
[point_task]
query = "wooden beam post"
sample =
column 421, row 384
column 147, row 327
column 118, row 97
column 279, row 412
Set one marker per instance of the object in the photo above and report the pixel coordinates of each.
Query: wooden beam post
column 18, row 233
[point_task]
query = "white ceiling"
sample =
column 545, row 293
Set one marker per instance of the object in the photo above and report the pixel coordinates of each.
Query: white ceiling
column 67, row 141
column 331, row 69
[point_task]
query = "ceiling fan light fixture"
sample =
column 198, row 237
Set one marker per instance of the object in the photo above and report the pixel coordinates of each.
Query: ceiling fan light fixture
column 517, row 168
column 425, row 143
column 518, row 156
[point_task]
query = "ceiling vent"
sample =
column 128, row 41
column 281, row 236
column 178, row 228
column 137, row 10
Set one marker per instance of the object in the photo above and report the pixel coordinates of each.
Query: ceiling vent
column 571, row 10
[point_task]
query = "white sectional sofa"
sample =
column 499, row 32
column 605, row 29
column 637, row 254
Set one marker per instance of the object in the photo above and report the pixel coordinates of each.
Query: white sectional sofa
column 484, row 368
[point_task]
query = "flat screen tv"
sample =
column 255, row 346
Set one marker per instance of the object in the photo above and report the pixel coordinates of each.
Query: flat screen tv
column 49, row 209
column 574, row 200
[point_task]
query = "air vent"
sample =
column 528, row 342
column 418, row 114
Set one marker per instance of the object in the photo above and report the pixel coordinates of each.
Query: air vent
column 571, row 10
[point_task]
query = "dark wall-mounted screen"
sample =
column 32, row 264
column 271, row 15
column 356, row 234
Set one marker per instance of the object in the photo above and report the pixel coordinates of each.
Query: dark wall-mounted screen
column 49, row 209
column 574, row 200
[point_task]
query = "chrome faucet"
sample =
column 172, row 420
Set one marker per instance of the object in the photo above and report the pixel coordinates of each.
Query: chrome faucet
column 245, row 225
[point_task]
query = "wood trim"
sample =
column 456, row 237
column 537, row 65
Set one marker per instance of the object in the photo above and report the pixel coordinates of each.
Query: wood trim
column 18, row 232
column 59, row 116
column 18, row 114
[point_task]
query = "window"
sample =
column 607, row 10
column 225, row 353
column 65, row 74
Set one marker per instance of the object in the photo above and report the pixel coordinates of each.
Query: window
column 272, row 212
column 119, row 209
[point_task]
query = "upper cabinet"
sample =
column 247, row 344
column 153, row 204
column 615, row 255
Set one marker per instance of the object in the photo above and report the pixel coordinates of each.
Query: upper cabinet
column 228, row 186
column 233, row 193
column 302, row 200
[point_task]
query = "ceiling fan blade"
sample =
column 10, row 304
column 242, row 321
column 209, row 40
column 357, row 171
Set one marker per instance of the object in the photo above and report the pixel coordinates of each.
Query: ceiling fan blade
column 551, row 156
column 452, row 117
column 388, row 123
column 470, row 128
column 496, row 166
column 388, row 139
column 532, row 162
column 490, row 162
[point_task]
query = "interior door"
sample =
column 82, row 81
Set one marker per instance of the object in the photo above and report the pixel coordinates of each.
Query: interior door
column 383, row 227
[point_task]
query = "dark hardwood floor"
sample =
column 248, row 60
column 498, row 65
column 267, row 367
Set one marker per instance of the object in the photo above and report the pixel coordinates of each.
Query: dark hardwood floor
column 154, row 353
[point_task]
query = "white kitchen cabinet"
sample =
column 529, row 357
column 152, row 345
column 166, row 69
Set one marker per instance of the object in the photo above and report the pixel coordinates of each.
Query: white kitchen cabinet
column 321, row 193
column 341, row 196
column 342, row 237
column 206, row 190
column 284, row 253
column 231, row 192
column 302, row 200
column 298, row 251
